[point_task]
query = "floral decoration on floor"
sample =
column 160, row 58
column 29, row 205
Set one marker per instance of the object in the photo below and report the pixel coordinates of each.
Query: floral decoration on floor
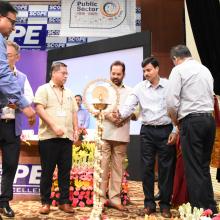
column 81, row 178
column 188, row 213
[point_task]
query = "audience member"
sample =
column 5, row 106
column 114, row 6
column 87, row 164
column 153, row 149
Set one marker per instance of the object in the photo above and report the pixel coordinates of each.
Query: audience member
column 83, row 117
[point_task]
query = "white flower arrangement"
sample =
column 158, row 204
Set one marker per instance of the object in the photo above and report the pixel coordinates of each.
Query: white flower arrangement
column 189, row 213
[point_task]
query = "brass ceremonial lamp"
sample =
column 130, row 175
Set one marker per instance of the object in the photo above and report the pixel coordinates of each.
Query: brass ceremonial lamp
column 100, row 94
column 97, row 203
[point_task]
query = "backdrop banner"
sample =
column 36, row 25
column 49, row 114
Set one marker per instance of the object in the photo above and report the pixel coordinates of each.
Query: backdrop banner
column 98, row 18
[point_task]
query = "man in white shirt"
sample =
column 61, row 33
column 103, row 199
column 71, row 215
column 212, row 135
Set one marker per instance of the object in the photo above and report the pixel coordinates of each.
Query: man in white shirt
column 190, row 103
column 157, row 135
column 10, row 126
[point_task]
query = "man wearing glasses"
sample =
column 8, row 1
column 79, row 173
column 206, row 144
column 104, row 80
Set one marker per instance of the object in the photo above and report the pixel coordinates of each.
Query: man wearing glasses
column 10, row 131
column 10, row 92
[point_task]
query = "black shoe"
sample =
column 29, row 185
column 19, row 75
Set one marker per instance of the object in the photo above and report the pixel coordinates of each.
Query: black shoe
column 214, row 212
column 166, row 213
column 149, row 211
column 7, row 211
column 157, row 196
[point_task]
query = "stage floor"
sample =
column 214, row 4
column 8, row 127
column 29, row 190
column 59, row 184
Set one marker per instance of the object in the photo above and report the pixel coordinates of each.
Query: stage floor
column 29, row 210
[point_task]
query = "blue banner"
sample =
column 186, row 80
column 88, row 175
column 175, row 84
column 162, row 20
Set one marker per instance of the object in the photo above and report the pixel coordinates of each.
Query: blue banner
column 27, row 179
column 30, row 36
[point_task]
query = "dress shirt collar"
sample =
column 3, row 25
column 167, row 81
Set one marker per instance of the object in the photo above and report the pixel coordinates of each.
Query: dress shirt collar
column 52, row 84
column 80, row 107
column 187, row 59
column 15, row 71
column 160, row 84
column 121, row 86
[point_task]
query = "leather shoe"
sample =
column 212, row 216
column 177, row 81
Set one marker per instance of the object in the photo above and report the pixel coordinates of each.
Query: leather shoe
column 166, row 213
column 148, row 211
column 117, row 206
column 45, row 209
column 7, row 211
column 157, row 196
column 66, row 208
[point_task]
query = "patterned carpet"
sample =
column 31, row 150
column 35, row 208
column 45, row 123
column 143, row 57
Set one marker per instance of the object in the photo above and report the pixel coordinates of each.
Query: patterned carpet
column 29, row 210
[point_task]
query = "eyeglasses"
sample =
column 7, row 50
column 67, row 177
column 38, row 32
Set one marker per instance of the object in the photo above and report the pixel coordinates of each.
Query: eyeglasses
column 11, row 20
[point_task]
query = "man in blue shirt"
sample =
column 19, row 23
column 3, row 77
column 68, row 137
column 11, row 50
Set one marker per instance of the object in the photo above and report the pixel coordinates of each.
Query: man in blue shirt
column 83, row 115
column 157, row 136
column 10, row 131
column 10, row 92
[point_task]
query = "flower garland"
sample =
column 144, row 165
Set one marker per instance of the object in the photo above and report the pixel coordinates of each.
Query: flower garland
column 97, row 203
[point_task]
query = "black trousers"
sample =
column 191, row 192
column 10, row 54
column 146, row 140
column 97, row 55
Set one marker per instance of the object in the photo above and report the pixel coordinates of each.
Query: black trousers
column 197, row 134
column 55, row 151
column 218, row 175
column 154, row 141
column 10, row 146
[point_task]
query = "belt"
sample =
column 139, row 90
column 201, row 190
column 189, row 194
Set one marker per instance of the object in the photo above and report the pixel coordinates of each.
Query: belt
column 7, row 120
column 202, row 114
column 157, row 126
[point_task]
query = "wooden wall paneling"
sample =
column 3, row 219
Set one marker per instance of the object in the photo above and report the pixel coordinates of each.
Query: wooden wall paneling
column 165, row 19
column 138, row 3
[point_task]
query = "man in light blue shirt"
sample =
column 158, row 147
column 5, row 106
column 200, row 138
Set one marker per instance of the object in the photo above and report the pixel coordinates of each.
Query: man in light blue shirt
column 10, row 92
column 82, row 113
column 11, row 129
column 157, row 136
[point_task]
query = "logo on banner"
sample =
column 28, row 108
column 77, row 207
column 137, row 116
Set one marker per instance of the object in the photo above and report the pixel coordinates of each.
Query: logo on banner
column 37, row 14
column 21, row 7
column 110, row 8
column 30, row 36
column 138, row 22
column 53, row 32
column 56, row 45
column 54, row 8
column 21, row 20
column 97, row 18
column 27, row 179
column 77, row 40
column 53, row 20
column 105, row 14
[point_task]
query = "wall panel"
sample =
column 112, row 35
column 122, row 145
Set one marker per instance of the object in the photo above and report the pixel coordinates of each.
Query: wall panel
column 165, row 19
